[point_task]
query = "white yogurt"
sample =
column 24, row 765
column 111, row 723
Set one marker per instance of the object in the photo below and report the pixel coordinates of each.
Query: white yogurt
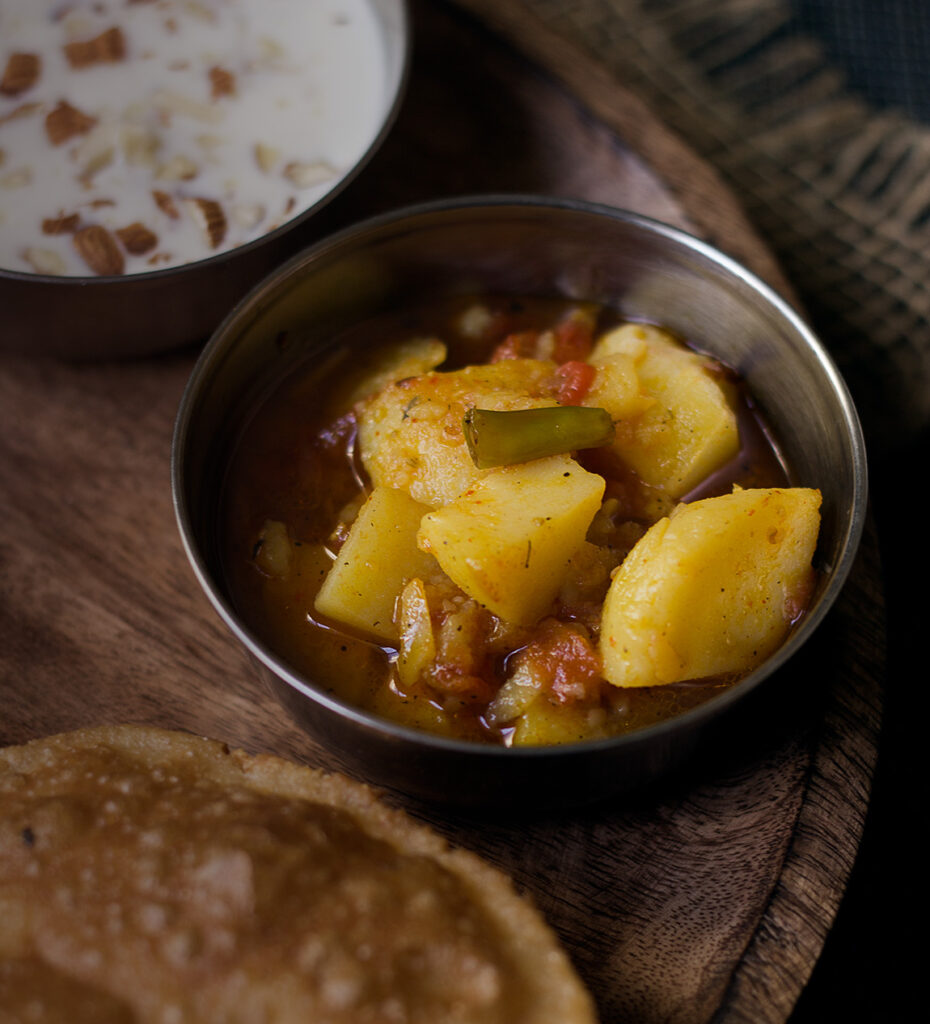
column 189, row 127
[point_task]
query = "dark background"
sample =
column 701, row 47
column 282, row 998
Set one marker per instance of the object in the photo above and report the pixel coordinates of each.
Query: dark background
column 874, row 963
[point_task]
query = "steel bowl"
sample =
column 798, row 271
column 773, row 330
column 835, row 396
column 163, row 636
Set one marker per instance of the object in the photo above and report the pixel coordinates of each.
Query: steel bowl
column 143, row 313
column 520, row 245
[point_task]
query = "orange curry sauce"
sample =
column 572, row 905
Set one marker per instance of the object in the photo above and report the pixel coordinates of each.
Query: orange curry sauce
column 295, row 462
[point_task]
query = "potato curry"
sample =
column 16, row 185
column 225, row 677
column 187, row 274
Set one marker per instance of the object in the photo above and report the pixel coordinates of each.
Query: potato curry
column 519, row 522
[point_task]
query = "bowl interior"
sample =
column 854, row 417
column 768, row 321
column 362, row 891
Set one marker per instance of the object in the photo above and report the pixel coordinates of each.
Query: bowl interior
column 524, row 246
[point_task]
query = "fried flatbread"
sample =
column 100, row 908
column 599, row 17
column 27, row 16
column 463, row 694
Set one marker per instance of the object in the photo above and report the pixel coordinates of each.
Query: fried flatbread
column 154, row 877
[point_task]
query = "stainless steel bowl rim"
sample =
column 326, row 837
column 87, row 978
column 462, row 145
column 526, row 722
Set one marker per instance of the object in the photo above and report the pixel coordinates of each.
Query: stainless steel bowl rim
column 478, row 204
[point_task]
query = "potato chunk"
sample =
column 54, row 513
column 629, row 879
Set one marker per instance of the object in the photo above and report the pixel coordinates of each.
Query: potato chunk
column 417, row 648
column 412, row 357
column 712, row 589
column 410, row 434
column 508, row 540
column 678, row 426
column 379, row 555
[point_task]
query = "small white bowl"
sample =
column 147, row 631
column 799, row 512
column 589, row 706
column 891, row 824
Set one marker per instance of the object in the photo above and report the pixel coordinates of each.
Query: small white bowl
column 136, row 313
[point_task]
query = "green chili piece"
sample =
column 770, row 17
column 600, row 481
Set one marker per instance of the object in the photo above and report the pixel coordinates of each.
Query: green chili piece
column 505, row 438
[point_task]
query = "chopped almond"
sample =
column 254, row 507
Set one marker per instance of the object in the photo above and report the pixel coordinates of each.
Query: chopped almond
column 23, row 110
column 222, row 82
column 266, row 156
column 210, row 217
column 21, row 73
column 305, row 175
column 137, row 239
column 97, row 160
column 248, row 215
column 165, row 203
column 19, row 177
column 178, row 168
column 169, row 103
column 107, row 48
column 63, row 224
column 98, row 249
column 44, row 261
column 139, row 145
column 64, row 122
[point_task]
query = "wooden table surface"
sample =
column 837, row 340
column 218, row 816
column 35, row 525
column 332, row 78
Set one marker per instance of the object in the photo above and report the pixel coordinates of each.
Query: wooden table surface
column 707, row 898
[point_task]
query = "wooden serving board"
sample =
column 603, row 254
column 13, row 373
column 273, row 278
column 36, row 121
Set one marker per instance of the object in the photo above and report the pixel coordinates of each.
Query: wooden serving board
column 707, row 898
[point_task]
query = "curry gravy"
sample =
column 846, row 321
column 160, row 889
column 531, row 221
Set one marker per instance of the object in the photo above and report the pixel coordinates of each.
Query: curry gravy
column 296, row 463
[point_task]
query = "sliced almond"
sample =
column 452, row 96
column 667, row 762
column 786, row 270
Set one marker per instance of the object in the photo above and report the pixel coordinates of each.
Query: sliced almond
column 209, row 216
column 96, row 161
column 95, row 151
column 44, row 261
column 19, row 177
column 304, row 174
column 211, row 143
column 201, row 11
column 98, row 249
column 178, row 168
column 21, row 73
column 139, row 145
column 23, row 110
column 63, row 224
column 166, row 203
column 64, row 122
column 137, row 239
column 248, row 215
column 270, row 52
column 107, row 48
column 266, row 156
column 168, row 103
column 222, row 82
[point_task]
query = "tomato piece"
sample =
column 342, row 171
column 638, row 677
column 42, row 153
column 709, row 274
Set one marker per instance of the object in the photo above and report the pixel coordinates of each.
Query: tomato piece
column 519, row 345
column 565, row 662
column 470, row 689
column 574, row 339
column 577, row 378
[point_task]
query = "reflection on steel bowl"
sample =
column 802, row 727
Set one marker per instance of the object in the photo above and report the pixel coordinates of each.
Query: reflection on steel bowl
column 353, row 483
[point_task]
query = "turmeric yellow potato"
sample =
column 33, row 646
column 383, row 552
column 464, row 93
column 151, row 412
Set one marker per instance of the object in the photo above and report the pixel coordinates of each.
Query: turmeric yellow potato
column 547, row 723
column 273, row 553
column 379, row 555
column 679, row 426
column 712, row 589
column 410, row 434
column 616, row 386
column 507, row 541
column 412, row 357
column 417, row 647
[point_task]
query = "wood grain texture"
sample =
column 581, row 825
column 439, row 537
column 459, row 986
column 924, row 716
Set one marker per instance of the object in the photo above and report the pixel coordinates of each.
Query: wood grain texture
column 707, row 897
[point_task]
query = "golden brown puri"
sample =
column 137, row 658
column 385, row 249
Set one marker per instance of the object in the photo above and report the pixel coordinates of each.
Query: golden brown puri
column 153, row 876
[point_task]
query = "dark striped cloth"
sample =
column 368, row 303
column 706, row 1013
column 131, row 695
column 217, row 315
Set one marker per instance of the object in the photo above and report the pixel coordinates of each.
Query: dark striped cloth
column 817, row 114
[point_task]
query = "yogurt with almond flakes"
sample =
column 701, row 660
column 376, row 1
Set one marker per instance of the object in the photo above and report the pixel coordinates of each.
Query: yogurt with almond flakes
column 142, row 134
